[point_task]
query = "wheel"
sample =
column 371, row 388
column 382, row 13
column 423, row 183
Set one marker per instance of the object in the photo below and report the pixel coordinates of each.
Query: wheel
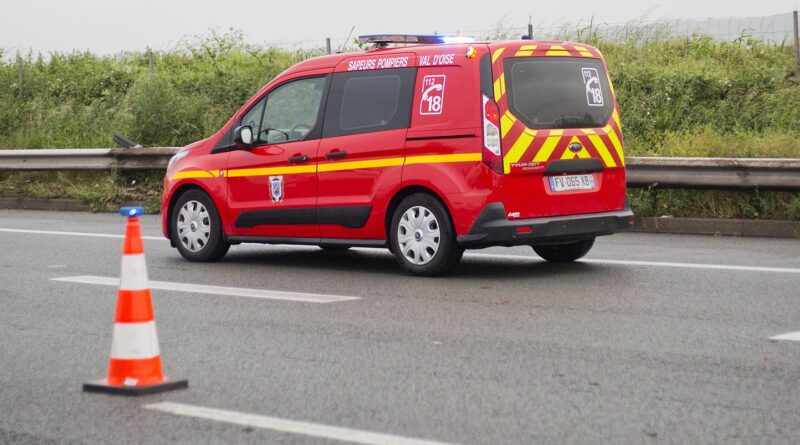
column 333, row 247
column 196, row 228
column 565, row 253
column 422, row 237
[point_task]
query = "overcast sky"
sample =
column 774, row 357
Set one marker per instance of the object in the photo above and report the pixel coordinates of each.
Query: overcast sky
column 109, row 26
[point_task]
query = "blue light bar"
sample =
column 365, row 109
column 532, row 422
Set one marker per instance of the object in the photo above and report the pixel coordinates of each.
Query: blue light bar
column 417, row 39
column 131, row 212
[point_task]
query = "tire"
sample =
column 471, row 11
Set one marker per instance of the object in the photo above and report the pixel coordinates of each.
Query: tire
column 195, row 210
column 333, row 248
column 565, row 253
column 426, row 246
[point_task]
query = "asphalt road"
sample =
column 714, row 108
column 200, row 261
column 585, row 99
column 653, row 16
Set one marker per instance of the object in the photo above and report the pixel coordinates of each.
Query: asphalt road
column 638, row 345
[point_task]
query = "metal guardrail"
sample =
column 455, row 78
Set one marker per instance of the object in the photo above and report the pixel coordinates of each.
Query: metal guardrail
column 684, row 173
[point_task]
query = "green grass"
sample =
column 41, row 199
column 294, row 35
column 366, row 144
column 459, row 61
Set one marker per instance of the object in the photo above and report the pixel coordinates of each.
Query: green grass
column 679, row 97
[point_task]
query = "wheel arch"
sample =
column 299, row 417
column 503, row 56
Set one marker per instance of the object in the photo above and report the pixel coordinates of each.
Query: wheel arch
column 404, row 193
column 176, row 194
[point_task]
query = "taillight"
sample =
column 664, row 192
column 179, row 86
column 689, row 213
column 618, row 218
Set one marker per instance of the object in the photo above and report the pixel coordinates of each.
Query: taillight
column 492, row 153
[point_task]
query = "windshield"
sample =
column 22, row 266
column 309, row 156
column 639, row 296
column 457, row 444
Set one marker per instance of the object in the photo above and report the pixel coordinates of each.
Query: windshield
column 558, row 92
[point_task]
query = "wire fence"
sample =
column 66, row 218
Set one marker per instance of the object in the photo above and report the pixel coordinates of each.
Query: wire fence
column 775, row 29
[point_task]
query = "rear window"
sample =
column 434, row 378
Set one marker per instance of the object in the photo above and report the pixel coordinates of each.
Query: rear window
column 558, row 92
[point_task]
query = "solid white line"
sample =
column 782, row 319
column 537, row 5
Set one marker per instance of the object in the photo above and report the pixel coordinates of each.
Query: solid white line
column 216, row 290
column 792, row 336
column 484, row 255
column 647, row 263
column 91, row 235
column 288, row 426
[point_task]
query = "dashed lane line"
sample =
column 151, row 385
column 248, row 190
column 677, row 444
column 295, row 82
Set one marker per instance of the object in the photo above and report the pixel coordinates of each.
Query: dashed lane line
column 216, row 290
column 288, row 426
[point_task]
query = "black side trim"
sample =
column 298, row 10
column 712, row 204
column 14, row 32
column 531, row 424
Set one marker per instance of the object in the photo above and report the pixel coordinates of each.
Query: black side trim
column 276, row 217
column 574, row 166
column 431, row 138
column 308, row 241
column 352, row 217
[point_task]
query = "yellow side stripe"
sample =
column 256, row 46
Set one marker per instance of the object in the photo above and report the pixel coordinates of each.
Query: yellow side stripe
column 190, row 174
column 358, row 165
column 266, row 171
column 440, row 159
column 332, row 166
column 496, row 54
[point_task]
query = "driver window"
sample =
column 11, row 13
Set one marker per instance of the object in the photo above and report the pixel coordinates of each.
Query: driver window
column 291, row 111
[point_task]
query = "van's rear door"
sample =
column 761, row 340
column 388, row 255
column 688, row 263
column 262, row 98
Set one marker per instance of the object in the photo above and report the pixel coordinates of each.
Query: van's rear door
column 561, row 137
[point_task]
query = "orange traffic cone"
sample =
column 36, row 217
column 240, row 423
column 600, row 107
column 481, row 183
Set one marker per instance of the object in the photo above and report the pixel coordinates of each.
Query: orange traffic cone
column 135, row 365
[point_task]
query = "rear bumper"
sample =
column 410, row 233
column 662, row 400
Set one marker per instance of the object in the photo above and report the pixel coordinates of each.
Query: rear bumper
column 492, row 228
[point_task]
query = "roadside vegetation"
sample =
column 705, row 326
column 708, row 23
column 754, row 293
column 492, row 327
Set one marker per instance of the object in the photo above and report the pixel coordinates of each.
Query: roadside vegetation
column 679, row 97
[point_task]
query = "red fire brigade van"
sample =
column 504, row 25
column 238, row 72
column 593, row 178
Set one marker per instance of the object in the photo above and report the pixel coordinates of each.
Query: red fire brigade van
column 424, row 145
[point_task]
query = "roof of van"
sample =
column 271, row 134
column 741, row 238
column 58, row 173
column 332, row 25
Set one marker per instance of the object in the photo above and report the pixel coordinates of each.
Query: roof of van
column 522, row 47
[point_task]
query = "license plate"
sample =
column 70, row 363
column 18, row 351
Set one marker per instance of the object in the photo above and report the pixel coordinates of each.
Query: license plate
column 571, row 182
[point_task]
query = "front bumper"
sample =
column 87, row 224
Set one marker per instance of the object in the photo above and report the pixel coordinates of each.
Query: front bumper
column 492, row 228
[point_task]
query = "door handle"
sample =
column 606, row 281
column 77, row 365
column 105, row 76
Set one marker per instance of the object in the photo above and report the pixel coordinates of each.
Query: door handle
column 298, row 158
column 335, row 154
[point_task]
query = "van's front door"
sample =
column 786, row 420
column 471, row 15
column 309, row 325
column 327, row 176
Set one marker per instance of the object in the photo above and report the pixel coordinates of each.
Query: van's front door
column 273, row 186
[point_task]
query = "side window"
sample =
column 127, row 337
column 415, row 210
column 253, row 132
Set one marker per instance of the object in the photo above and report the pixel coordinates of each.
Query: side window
column 367, row 101
column 253, row 116
column 292, row 111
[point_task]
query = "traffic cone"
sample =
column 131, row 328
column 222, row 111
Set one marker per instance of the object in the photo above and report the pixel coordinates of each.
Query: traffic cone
column 135, row 365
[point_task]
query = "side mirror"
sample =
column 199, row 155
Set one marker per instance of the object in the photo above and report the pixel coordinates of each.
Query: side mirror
column 243, row 136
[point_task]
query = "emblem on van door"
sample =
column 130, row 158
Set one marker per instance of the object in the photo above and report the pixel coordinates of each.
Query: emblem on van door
column 576, row 147
column 276, row 188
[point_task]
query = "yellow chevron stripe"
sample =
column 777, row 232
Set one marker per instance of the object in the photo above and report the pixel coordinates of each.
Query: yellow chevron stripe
column 557, row 53
column 616, row 143
column 496, row 54
column 580, row 48
column 518, row 149
column 523, row 53
column 506, row 122
column 440, row 159
column 528, row 47
column 615, row 115
column 499, row 87
column 601, row 148
column 549, row 145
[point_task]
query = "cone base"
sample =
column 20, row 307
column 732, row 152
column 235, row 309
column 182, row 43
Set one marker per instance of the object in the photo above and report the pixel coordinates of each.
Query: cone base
column 102, row 386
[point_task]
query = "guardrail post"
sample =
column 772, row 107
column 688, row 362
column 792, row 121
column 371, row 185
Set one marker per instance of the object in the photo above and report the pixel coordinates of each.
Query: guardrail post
column 327, row 45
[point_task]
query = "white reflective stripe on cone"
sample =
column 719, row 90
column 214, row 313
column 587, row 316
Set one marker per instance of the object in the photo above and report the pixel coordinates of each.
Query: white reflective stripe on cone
column 134, row 341
column 133, row 274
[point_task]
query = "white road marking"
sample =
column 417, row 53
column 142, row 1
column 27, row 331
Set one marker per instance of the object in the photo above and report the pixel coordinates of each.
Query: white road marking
column 648, row 263
column 483, row 255
column 288, row 426
column 91, row 235
column 792, row 336
column 216, row 290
